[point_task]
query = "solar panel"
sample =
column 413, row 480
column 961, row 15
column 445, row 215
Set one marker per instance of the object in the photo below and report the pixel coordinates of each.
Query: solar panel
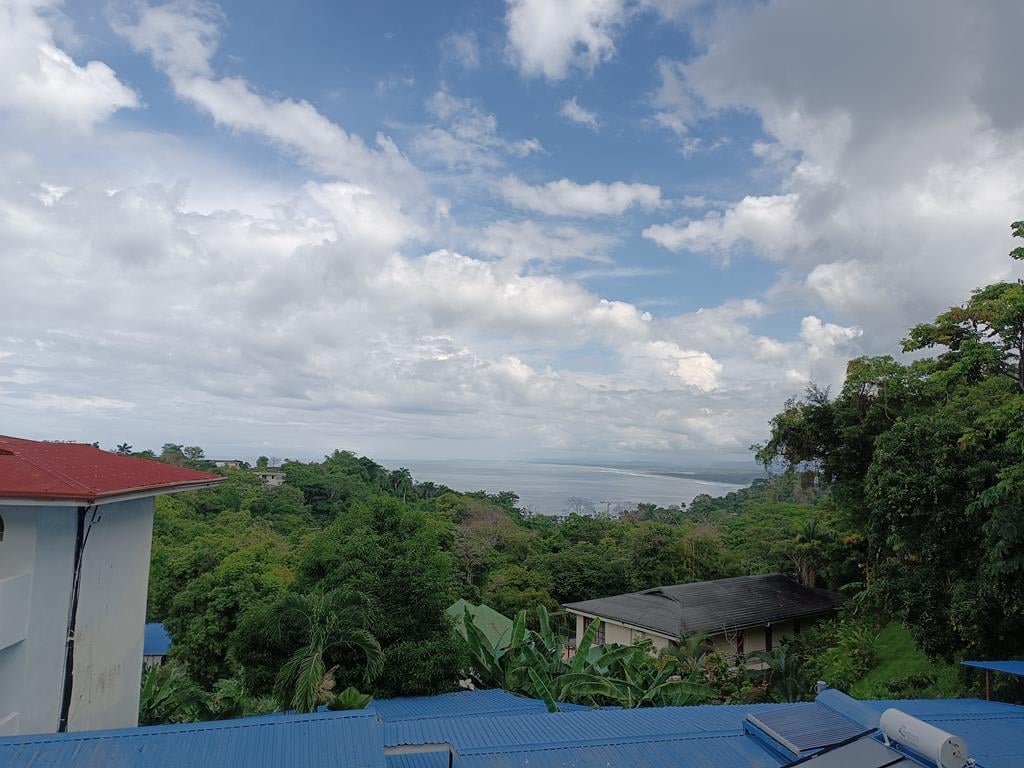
column 865, row 752
column 804, row 727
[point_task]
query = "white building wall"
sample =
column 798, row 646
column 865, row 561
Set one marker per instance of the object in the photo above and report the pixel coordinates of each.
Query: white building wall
column 36, row 574
column 112, row 617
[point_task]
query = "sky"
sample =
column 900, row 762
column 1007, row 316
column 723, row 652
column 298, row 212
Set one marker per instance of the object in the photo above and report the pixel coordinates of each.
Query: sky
column 602, row 230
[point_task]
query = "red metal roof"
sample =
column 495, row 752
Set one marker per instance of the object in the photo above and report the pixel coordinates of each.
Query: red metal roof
column 30, row 469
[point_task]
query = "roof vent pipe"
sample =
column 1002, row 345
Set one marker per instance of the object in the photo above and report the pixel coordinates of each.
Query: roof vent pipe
column 947, row 750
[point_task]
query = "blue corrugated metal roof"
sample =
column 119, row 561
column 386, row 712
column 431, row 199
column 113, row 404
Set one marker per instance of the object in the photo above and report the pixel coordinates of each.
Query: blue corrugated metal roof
column 155, row 640
column 568, row 727
column 418, row 760
column 722, row 751
column 339, row 739
column 687, row 737
column 1009, row 667
column 493, row 701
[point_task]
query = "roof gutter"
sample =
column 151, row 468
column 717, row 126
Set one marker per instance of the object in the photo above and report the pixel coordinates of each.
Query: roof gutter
column 70, row 501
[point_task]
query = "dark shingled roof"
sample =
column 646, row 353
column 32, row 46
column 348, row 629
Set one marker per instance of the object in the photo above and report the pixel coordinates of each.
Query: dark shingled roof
column 713, row 606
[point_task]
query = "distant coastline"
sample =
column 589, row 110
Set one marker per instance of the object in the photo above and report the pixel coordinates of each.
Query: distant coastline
column 557, row 488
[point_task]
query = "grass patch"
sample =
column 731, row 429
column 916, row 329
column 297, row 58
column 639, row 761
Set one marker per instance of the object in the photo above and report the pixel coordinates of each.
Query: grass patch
column 903, row 671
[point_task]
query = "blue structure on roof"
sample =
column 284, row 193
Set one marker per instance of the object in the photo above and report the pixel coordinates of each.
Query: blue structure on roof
column 1009, row 667
column 494, row 729
column 155, row 640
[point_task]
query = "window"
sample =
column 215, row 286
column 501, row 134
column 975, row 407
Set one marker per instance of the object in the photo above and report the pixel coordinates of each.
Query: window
column 1, row 529
column 739, row 643
column 796, row 626
column 599, row 639
column 768, row 638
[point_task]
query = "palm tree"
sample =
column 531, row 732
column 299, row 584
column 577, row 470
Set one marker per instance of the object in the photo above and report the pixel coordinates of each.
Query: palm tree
column 326, row 622
column 124, row 449
column 787, row 679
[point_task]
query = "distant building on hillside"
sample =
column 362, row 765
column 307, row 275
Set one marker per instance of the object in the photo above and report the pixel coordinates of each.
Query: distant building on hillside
column 739, row 615
column 271, row 476
column 76, row 526
column 156, row 644
column 227, row 463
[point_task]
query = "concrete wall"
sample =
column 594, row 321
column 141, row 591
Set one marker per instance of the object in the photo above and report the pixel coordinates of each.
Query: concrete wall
column 112, row 617
column 36, row 574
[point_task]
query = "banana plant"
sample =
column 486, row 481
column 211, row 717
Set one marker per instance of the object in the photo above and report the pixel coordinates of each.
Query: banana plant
column 535, row 663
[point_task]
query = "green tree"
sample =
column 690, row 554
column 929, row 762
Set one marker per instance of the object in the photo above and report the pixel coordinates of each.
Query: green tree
column 323, row 622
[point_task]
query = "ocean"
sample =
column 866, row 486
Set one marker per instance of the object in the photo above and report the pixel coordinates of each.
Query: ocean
column 557, row 489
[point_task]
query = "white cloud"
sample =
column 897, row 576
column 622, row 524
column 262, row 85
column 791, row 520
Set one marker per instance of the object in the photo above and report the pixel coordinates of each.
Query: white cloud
column 527, row 241
column 899, row 170
column 462, row 48
column 770, row 223
column 568, row 198
column 554, row 37
column 467, row 138
column 572, row 111
column 550, row 37
column 41, row 82
column 156, row 290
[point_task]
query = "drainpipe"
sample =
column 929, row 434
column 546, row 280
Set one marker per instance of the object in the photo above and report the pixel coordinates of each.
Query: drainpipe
column 67, row 684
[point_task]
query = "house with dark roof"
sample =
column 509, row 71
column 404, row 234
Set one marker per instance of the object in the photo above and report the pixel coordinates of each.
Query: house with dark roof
column 739, row 615
column 76, row 526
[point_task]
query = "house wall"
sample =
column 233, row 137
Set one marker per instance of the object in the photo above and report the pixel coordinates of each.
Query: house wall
column 754, row 638
column 36, row 575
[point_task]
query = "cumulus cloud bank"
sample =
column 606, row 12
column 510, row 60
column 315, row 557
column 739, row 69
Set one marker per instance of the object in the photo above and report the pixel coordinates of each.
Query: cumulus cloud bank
column 159, row 289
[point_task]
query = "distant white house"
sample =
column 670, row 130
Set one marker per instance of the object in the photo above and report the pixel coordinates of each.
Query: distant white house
column 738, row 615
column 271, row 476
column 226, row 463
column 76, row 526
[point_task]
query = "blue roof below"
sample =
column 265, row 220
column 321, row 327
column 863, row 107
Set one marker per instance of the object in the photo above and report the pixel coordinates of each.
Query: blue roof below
column 155, row 640
column 492, row 702
column 705, row 751
column 1009, row 667
column 494, row 729
column 341, row 739
column 563, row 728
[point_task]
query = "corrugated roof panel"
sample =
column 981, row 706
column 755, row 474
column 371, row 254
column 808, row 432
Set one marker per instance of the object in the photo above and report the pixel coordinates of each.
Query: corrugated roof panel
column 693, row 752
column 995, row 740
column 564, row 727
column 418, row 760
column 803, row 727
column 30, row 469
column 492, row 701
column 334, row 739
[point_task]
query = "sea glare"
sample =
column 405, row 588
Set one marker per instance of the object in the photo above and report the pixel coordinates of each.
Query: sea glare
column 557, row 489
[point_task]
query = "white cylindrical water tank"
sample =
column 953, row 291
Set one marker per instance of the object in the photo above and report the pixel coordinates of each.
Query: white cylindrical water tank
column 947, row 750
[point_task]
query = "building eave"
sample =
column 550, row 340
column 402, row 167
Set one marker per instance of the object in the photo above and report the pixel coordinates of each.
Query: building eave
column 85, row 500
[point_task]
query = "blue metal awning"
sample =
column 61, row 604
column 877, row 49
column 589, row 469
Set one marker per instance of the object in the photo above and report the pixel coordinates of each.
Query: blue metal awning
column 1009, row 667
